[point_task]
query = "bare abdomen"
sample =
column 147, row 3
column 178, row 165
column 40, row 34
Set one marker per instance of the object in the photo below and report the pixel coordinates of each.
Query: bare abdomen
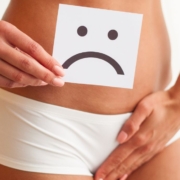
column 153, row 72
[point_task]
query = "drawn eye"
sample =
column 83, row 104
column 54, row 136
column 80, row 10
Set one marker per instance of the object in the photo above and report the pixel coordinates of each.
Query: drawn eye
column 113, row 34
column 82, row 31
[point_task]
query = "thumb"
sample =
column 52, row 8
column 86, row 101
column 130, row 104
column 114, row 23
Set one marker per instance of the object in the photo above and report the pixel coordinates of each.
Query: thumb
column 132, row 125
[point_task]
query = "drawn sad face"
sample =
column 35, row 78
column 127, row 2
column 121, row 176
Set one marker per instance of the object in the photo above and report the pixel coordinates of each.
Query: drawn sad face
column 97, row 47
column 82, row 31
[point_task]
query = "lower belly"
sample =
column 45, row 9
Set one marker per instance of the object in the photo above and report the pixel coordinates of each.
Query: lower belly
column 153, row 71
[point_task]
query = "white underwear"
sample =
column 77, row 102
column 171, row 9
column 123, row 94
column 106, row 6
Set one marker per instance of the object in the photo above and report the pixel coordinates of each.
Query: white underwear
column 44, row 138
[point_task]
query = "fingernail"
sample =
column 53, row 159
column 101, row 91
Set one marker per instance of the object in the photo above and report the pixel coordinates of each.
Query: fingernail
column 43, row 83
column 58, row 82
column 59, row 71
column 124, row 177
column 122, row 137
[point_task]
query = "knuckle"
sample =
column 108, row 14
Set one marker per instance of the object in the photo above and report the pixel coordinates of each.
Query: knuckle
column 140, row 140
column 147, row 148
column 33, row 48
column 123, row 168
column 25, row 63
column 46, row 77
column 49, row 64
column 144, row 105
column 115, row 161
column 18, row 77
column 131, row 127
column 9, row 84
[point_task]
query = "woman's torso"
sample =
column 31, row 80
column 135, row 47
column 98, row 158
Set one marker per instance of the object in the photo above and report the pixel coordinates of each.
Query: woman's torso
column 153, row 70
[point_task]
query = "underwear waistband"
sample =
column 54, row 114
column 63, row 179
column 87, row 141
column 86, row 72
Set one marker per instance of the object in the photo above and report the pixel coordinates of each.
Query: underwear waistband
column 34, row 105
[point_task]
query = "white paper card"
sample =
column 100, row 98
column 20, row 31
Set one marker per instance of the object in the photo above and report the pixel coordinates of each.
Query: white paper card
column 97, row 46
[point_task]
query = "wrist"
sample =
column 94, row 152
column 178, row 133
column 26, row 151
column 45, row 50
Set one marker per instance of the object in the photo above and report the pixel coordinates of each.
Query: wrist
column 174, row 91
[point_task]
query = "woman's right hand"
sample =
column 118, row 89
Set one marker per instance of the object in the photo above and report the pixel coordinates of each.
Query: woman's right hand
column 23, row 62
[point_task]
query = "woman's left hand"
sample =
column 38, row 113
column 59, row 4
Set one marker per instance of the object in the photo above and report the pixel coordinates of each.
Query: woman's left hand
column 154, row 122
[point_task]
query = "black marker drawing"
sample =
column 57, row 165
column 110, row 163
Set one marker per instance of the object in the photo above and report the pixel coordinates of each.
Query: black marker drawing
column 113, row 34
column 82, row 31
column 101, row 56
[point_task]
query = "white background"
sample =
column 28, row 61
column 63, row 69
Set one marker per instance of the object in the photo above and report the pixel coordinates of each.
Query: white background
column 171, row 10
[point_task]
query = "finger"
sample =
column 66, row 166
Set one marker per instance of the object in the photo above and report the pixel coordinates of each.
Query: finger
column 144, row 160
column 136, row 166
column 115, row 158
column 132, row 125
column 19, row 39
column 14, row 75
column 7, row 83
column 131, row 162
column 140, row 162
column 148, row 152
column 29, row 65
column 123, row 151
column 119, row 173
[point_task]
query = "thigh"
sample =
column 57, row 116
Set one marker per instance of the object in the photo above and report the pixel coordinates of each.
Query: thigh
column 164, row 166
column 7, row 173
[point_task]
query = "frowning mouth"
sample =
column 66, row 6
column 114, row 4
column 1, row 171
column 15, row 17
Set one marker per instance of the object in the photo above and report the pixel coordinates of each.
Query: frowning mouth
column 91, row 54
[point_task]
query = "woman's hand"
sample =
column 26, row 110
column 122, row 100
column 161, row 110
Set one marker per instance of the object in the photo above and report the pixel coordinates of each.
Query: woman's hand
column 24, row 62
column 154, row 122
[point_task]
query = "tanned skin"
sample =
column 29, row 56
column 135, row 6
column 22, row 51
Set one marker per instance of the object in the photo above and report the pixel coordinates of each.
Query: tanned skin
column 37, row 19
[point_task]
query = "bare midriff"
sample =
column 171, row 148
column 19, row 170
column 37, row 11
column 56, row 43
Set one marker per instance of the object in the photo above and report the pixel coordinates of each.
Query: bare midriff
column 153, row 69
